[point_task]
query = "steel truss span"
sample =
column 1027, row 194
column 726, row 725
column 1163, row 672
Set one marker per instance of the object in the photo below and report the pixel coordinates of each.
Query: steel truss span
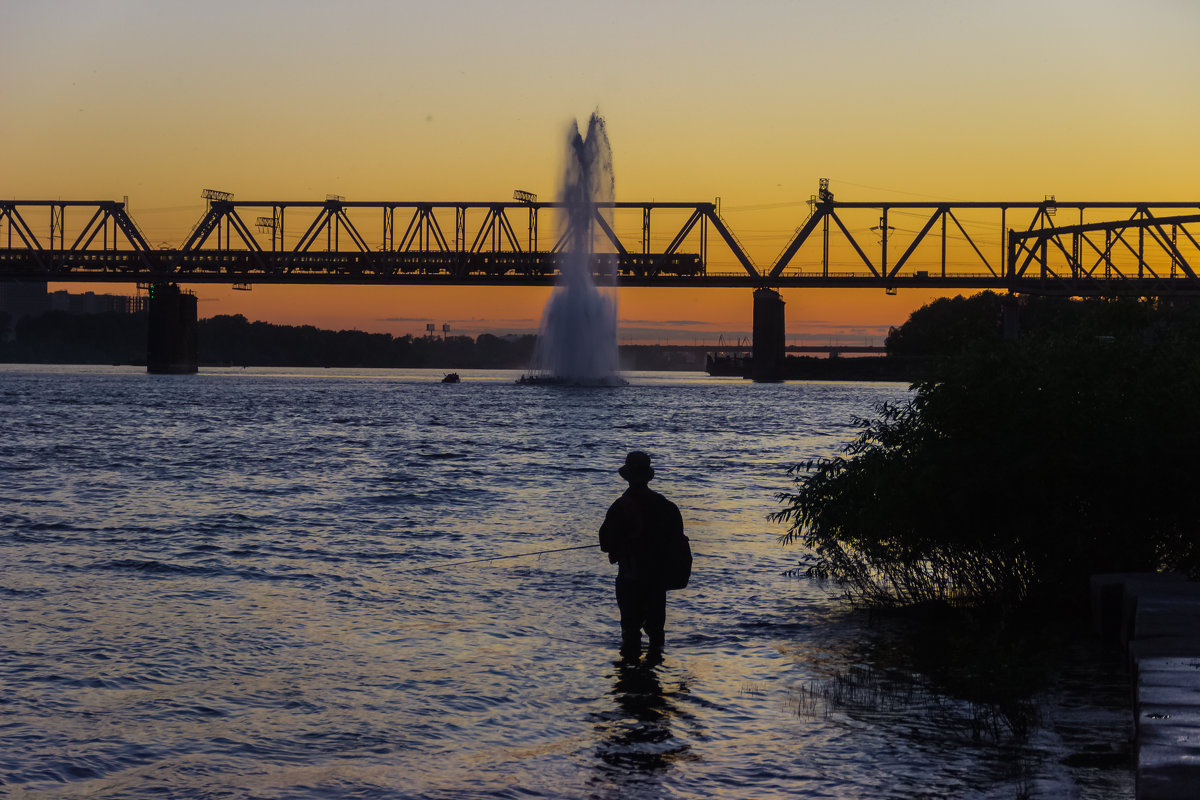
column 1143, row 248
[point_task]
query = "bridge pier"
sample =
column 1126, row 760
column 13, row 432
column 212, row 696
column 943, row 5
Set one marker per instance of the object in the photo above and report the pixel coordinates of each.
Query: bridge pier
column 769, row 344
column 171, row 332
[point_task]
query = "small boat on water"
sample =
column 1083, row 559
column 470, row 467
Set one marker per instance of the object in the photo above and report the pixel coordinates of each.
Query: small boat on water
column 451, row 377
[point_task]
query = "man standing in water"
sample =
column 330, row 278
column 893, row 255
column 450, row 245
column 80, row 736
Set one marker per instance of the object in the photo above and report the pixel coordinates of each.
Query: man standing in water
column 636, row 534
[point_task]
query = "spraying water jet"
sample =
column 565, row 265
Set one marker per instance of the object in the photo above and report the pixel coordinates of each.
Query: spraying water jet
column 577, row 341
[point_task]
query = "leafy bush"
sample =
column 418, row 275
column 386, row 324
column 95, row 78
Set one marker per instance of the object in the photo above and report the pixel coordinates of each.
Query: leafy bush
column 1015, row 472
column 946, row 325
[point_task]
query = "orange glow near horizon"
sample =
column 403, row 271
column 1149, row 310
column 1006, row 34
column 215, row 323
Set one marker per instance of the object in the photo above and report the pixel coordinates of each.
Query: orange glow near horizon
column 680, row 316
column 752, row 103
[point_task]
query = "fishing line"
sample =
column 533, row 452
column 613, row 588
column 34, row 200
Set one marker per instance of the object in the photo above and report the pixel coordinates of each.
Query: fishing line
column 444, row 564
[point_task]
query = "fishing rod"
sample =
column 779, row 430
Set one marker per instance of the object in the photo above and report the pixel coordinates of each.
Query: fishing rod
column 460, row 562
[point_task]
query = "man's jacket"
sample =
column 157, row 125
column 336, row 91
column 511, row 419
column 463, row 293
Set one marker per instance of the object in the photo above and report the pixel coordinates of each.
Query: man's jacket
column 637, row 532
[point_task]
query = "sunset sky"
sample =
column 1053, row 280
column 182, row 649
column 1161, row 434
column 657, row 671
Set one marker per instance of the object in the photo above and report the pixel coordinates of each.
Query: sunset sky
column 753, row 102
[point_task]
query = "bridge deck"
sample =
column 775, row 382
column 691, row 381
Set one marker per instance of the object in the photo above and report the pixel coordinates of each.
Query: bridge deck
column 231, row 267
column 1138, row 249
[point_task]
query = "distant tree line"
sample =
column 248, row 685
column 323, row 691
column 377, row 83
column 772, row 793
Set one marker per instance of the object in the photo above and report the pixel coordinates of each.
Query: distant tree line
column 949, row 326
column 232, row 340
column 58, row 337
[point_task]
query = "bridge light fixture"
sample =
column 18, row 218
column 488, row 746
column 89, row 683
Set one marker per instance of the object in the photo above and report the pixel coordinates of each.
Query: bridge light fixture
column 823, row 193
column 215, row 195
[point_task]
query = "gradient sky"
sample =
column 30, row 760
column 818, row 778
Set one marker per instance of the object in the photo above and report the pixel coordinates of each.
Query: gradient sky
column 751, row 101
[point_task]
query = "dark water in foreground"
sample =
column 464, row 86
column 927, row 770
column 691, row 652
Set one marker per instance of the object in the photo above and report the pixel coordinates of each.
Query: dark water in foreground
column 212, row 587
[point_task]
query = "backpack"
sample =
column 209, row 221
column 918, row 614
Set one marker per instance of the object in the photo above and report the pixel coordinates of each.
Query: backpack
column 674, row 554
column 677, row 564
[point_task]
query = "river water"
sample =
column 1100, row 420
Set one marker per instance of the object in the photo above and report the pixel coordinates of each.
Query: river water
column 234, row 585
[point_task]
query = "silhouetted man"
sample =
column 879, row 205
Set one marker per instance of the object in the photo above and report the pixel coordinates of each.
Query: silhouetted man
column 635, row 534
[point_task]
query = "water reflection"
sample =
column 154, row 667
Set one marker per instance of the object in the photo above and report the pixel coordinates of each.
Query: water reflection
column 637, row 747
column 134, row 526
column 1037, row 712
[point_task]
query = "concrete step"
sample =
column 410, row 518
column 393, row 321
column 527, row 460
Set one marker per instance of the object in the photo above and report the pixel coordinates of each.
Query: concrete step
column 1140, row 590
column 1160, row 623
column 1107, row 596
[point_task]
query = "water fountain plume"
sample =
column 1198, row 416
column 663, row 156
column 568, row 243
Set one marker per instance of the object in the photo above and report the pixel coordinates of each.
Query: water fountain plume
column 577, row 342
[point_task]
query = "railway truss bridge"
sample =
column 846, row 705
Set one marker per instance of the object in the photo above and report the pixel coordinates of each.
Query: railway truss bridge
column 1046, row 247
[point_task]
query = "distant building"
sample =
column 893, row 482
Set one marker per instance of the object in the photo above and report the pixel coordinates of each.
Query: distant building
column 92, row 303
column 30, row 299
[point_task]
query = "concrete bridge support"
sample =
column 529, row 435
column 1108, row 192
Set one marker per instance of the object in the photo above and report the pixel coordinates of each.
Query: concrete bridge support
column 171, row 336
column 769, row 340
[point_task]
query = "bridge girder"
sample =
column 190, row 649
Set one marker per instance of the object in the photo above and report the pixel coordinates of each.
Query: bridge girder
column 1157, row 256
column 332, row 244
column 1149, row 249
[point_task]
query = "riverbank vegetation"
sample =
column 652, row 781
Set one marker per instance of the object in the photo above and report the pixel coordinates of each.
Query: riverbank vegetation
column 1019, row 468
column 973, row 515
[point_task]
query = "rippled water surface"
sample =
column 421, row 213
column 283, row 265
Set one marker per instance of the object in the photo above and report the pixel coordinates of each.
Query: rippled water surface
column 233, row 584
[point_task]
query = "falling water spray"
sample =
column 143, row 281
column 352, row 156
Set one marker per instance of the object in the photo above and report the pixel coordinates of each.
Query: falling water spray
column 577, row 342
